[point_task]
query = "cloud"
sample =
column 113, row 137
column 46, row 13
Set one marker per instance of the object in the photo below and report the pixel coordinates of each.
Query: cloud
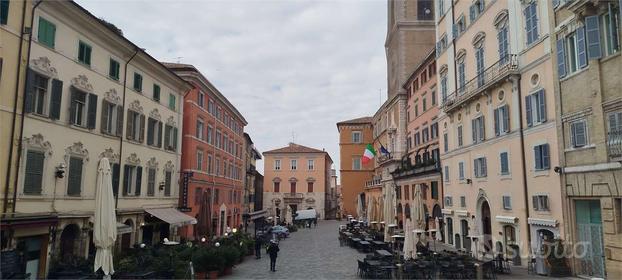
column 289, row 66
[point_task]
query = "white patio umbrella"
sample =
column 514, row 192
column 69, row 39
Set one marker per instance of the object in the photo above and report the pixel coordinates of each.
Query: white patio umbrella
column 359, row 207
column 418, row 213
column 105, row 222
column 389, row 210
column 369, row 209
column 408, row 240
column 437, row 225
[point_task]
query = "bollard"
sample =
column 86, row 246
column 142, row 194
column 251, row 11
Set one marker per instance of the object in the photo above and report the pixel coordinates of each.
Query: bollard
column 399, row 270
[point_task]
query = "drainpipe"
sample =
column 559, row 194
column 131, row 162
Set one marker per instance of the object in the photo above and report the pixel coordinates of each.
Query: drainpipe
column 21, row 127
column 522, row 154
column 453, row 45
column 136, row 49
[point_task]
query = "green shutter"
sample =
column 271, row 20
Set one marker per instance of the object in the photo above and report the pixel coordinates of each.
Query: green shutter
column 47, row 32
column 34, row 172
column 139, row 181
column 156, row 92
column 113, row 72
column 167, row 183
column 75, row 176
column 4, row 11
column 56, row 99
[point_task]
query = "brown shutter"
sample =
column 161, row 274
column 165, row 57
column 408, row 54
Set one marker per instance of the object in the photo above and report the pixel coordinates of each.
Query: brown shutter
column 119, row 120
column 104, row 118
column 130, row 126
column 142, row 128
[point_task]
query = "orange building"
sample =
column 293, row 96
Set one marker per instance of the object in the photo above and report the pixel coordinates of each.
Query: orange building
column 354, row 135
column 213, row 150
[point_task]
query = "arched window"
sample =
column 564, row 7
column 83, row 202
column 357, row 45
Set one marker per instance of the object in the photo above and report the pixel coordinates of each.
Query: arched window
column 501, row 23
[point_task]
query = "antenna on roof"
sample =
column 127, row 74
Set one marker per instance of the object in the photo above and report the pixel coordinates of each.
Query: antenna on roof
column 293, row 137
column 178, row 59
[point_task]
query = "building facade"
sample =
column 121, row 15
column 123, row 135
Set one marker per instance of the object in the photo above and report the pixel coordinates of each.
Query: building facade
column 296, row 178
column 354, row 135
column 586, row 43
column 331, row 206
column 214, row 152
column 497, row 123
column 87, row 83
column 421, row 165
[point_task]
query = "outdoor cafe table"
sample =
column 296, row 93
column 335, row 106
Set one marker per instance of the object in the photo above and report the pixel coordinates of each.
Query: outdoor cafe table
column 354, row 241
column 384, row 253
column 365, row 245
column 379, row 244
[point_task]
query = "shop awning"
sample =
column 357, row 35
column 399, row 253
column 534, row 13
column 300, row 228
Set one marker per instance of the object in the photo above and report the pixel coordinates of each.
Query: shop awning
column 257, row 214
column 172, row 216
column 506, row 219
column 123, row 228
column 447, row 211
column 542, row 222
column 462, row 213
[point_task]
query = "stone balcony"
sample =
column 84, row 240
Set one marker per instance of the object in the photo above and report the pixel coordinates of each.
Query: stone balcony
column 375, row 182
column 498, row 72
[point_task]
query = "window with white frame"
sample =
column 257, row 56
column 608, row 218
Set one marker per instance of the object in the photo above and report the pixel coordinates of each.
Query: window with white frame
column 38, row 94
column 578, row 133
column 535, row 107
column 135, row 126
column 356, row 137
column 461, row 170
column 200, row 131
column 112, row 119
column 610, row 22
column 199, row 160
column 132, row 180
column 170, row 138
column 209, row 164
column 311, row 164
column 615, row 122
column 356, row 163
column 503, row 41
column 154, row 132
column 477, row 129
column 504, row 163
column 444, row 86
column 463, row 201
column 277, row 164
column 448, row 201
column 530, row 12
column 479, row 167
column 507, row 202
column 168, row 182
column 541, row 157
column 459, row 133
column 502, row 120
column 461, row 75
column 83, row 108
column 33, row 175
column 293, row 164
column 446, row 173
column 151, row 181
column 201, row 99
column 541, row 202
column 445, row 142
column 479, row 63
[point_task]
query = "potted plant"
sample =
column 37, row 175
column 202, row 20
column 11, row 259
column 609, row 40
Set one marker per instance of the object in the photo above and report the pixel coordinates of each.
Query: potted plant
column 207, row 263
column 229, row 255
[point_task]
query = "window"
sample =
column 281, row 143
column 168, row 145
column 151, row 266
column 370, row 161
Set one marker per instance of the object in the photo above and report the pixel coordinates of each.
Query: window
column 356, row 137
column 444, row 87
column 309, row 186
column 541, row 157
column 38, row 94
column 445, row 142
column 83, row 108
column 502, row 120
column 610, row 23
column 217, row 167
column 170, row 138
column 74, row 177
column 450, row 229
column 277, row 164
column 113, row 70
column 199, row 160
column 479, row 167
column 460, row 141
column 434, row 188
column 171, row 102
column 310, row 164
column 277, row 186
column 210, row 107
column 502, row 37
column 292, row 187
column 446, row 173
column 416, row 109
column 156, row 92
column 135, row 126
column 424, row 104
column 201, row 99
column 531, row 22
column 4, row 11
column 505, row 163
column 47, row 32
column 218, row 139
column 200, row 127
column 535, row 107
column 294, row 164
column 154, row 133
column 151, row 181
column 461, row 170
column 578, row 134
column 417, row 138
column 463, row 201
column 507, row 202
column 541, row 202
column 433, row 97
column 461, row 76
column 168, row 176
column 615, row 123
column 448, row 201
column 409, row 143
column 84, row 53
column 479, row 59
column 425, row 135
column 424, row 10
column 33, row 175
column 459, row 27
column 132, row 180
column 209, row 164
column 477, row 127
column 434, row 130
column 356, row 163
column 138, row 82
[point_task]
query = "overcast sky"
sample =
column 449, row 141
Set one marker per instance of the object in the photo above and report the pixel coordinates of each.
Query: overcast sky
column 289, row 66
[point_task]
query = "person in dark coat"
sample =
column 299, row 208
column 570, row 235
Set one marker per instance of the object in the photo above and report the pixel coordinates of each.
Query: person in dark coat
column 273, row 250
column 258, row 242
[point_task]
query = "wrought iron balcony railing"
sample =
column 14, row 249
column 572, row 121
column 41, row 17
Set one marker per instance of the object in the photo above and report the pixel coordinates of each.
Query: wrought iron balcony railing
column 614, row 143
column 501, row 69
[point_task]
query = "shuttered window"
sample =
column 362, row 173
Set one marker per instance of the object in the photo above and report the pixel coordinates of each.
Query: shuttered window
column 135, row 126
column 138, row 82
column 154, row 132
column 111, row 119
column 502, row 37
column 310, row 187
column 479, row 166
column 507, row 202
column 531, row 22
column 561, row 58
column 461, row 77
column 84, row 53
column 502, row 120
column 168, row 176
column 446, row 173
column 460, row 141
column 461, row 170
column 478, row 129
column 170, row 138
column 592, row 32
column 277, row 186
column 74, row 178
column 535, row 106
column 132, row 180
column 46, row 33
column 445, row 142
column 434, row 188
column 83, row 108
column 578, row 134
column 542, row 157
column 113, row 70
column 479, row 59
column 171, row 102
column 581, row 51
column 156, row 92
column 116, row 175
column 151, row 181
column 504, row 162
column 34, row 172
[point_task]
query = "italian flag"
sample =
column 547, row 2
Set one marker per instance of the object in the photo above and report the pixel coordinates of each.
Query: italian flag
column 369, row 154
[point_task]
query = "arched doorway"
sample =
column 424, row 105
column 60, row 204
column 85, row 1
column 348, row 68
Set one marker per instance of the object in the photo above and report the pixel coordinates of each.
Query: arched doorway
column 544, row 239
column 126, row 238
column 511, row 247
column 450, row 231
column 438, row 214
column 486, row 226
column 466, row 240
column 69, row 241
column 457, row 238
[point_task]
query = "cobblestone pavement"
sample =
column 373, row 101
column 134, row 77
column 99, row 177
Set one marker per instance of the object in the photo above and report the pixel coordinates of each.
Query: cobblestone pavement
column 307, row 254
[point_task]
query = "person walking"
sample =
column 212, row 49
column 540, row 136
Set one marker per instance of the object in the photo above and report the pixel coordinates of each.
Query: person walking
column 315, row 222
column 273, row 250
column 258, row 241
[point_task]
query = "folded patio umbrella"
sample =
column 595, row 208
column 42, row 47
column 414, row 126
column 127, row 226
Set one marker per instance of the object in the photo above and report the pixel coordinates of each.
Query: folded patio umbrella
column 105, row 221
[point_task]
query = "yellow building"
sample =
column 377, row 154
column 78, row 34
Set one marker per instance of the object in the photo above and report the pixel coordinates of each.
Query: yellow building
column 498, row 128
column 589, row 67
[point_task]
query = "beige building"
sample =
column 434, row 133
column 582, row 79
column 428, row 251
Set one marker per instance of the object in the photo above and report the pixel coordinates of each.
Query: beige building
column 586, row 41
column 497, row 122
column 90, row 94
column 296, row 178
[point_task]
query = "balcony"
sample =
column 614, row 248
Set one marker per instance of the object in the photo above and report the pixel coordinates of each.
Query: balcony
column 384, row 158
column 407, row 169
column 375, row 182
column 293, row 195
column 614, row 144
column 494, row 74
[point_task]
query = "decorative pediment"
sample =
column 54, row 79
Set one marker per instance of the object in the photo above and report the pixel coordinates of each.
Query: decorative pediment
column 77, row 149
column 481, row 195
column 478, row 39
column 501, row 18
column 133, row 159
column 135, row 106
column 276, row 180
column 310, row 179
column 171, row 121
column 293, row 180
column 37, row 142
column 112, row 96
column 110, row 155
column 310, row 200
column 82, row 83
column 168, row 166
column 44, row 66
column 152, row 163
column 155, row 114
